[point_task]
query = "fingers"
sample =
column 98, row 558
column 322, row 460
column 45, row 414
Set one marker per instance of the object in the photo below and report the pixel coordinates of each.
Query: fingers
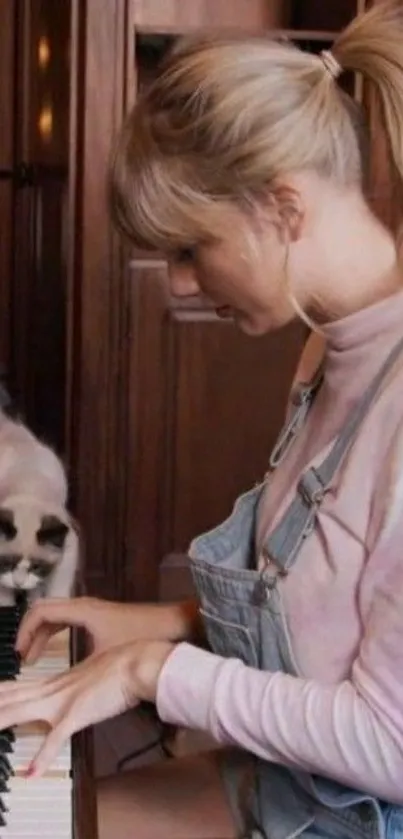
column 46, row 618
column 51, row 746
column 42, row 701
column 18, row 708
column 38, row 643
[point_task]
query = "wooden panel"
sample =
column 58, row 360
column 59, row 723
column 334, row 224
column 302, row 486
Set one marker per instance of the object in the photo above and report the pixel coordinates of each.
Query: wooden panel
column 98, row 337
column 116, row 419
column 7, row 59
column 84, row 803
column 386, row 188
column 206, row 403
column 161, row 397
column 39, row 287
column 226, row 401
column 315, row 14
column 177, row 14
column 149, row 304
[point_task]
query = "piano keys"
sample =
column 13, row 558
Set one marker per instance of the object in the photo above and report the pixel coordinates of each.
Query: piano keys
column 60, row 804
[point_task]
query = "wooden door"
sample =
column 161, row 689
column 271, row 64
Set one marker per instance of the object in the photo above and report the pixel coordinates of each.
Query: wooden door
column 7, row 94
column 176, row 15
column 205, row 405
column 37, row 306
column 173, row 412
column 386, row 187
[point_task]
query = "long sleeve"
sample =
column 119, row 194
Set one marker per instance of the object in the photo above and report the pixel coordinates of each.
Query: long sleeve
column 343, row 716
column 351, row 731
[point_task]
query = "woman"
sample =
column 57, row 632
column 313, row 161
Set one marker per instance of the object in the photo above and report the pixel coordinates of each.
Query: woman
column 245, row 164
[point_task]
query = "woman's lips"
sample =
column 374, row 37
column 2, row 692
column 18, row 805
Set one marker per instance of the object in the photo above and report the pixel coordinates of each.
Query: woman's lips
column 225, row 311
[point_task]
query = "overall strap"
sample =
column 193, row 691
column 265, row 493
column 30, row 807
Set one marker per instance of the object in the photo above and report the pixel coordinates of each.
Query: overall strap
column 301, row 401
column 283, row 544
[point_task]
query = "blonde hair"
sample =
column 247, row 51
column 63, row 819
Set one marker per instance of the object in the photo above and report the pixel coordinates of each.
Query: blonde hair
column 227, row 116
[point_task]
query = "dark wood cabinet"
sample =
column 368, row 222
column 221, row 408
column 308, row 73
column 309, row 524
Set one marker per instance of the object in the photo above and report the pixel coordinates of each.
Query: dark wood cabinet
column 174, row 15
column 174, row 412
column 35, row 65
column 7, row 92
column 165, row 413
column 205, row 404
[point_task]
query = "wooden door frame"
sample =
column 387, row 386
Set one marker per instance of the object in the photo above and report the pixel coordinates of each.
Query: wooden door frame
column 98, row 380
column 97, row 384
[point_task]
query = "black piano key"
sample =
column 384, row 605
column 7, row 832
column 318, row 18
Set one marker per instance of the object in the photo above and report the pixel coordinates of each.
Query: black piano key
column 10, row 665
column 5, row 765
column 8, row 672
column 8, row 611
column 6, row 743
column 6, row 748
column 9, row 624
column 7, row 734
column 8, row 658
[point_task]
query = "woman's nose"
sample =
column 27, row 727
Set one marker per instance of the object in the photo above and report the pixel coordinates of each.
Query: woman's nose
column 182, row 282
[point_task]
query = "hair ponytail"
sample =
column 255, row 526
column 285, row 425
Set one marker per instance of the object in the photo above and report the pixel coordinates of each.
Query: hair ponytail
column 226, row 117
column 373, row 45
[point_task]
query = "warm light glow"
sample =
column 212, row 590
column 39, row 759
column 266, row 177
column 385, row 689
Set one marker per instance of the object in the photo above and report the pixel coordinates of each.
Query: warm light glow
column 45, row 122
column 43, row 52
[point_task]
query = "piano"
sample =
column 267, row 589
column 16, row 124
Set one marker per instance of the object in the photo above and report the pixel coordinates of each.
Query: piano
column 61, row 804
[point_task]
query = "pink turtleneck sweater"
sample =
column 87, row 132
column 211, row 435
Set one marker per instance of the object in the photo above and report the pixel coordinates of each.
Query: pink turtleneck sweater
column 342, row 717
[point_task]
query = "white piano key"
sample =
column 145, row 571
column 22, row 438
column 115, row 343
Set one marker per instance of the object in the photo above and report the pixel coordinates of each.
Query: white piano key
column 39, row 808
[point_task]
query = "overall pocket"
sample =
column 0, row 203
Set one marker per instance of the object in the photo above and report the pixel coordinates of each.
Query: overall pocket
column 229, row 639
column 393, row 822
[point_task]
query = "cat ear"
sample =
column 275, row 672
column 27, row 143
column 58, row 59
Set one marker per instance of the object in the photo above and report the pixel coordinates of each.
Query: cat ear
column 8, row 529
column 52, row 532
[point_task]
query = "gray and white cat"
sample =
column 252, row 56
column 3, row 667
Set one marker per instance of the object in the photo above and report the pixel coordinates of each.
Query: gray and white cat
column 39, row 544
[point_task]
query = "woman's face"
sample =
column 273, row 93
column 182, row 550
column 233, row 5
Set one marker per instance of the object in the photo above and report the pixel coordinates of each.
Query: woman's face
column 242, row 272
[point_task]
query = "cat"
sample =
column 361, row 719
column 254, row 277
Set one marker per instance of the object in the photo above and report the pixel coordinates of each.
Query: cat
column 39, row 543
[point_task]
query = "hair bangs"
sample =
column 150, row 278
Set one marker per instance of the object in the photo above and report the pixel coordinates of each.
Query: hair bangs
column 156, row 201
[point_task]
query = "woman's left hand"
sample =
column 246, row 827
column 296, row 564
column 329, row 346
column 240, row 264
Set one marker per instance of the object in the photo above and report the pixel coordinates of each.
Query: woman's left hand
column 102, row 686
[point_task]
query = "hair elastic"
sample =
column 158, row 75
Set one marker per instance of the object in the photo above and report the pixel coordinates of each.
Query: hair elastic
column 331, row 64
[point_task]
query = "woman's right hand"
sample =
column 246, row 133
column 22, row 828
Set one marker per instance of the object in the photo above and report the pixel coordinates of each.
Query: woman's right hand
column 107, row 624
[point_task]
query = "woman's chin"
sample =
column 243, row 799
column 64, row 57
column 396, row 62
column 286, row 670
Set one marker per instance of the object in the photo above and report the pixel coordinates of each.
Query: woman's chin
column 251, row 326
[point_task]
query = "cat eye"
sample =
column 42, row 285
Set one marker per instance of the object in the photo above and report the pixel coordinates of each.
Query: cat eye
column 8, row 530
column 52, row 533
column 40, row 567
column 9, row 563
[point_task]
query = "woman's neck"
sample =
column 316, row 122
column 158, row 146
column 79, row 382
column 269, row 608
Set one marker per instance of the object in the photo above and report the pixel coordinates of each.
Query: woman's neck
column 357, row 263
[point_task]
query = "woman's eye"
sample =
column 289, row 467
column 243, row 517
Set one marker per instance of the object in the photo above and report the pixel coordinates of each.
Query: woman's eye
column 185, row 255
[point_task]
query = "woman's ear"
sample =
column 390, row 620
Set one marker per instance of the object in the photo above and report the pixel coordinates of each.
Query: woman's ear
column 291, row 213
column 283, row 207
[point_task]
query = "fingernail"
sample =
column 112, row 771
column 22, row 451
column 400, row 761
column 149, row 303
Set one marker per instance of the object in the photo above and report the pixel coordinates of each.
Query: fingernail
column 30, row 772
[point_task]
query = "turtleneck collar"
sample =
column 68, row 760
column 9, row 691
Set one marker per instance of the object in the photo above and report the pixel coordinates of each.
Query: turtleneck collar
column 357, row 345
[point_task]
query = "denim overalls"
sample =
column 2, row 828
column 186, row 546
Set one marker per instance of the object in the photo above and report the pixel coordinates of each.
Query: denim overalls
column 243, row 613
